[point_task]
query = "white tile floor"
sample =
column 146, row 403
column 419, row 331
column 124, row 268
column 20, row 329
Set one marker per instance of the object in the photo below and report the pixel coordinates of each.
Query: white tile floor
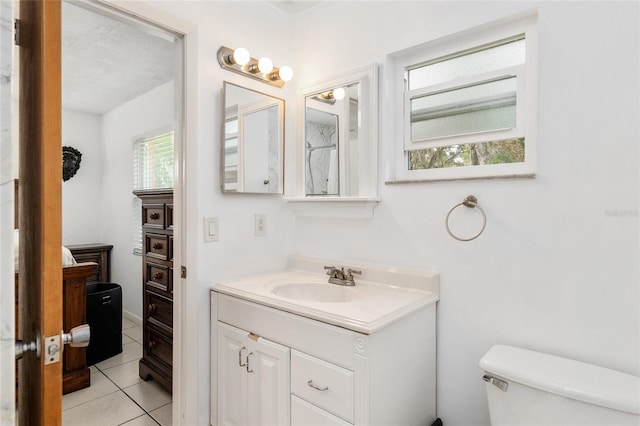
column 117, row 396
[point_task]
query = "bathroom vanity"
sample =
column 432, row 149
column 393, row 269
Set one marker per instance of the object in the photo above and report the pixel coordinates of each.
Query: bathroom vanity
column 288, row 348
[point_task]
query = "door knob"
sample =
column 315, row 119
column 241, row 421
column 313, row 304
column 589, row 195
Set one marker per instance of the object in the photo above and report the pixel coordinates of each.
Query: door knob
column 78, row 337
column 24, row 347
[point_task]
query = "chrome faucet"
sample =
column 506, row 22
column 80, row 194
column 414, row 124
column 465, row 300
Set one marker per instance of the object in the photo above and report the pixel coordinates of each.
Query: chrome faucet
column 340, row 277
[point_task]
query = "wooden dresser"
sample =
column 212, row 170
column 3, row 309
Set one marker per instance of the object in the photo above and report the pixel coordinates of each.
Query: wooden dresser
column 157, row 285
column 97, row 253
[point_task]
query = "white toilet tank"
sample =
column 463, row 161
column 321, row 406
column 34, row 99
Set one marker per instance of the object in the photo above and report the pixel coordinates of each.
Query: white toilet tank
column 531, row 388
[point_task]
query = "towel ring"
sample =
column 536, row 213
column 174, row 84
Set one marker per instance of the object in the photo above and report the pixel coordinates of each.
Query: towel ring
column 472, row 202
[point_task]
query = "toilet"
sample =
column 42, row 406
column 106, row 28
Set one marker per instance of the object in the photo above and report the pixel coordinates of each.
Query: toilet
column 532, row 388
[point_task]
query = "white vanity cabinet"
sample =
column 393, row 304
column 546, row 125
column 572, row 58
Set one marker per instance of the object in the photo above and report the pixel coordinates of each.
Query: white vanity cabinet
column 253, row 384
column 319, row 373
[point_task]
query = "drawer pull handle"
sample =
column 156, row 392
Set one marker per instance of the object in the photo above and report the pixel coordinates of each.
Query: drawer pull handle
column 157, row 276
column 316, row 387
column 157, row 246
column 240, row 357
column 154, row 216
column 151, row 308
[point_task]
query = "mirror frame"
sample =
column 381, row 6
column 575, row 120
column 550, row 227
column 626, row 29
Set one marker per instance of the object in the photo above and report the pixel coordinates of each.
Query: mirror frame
column 281, row 128
column 367, row 78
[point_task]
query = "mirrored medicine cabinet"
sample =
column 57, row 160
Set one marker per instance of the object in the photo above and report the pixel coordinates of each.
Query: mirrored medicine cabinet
column 338, row 146
column 253, row 142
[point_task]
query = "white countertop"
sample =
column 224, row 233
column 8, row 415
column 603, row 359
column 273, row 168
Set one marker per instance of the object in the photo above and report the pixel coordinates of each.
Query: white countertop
column 372, row 306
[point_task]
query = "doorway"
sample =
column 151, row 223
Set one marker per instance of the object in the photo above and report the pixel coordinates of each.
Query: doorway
column 119, row 80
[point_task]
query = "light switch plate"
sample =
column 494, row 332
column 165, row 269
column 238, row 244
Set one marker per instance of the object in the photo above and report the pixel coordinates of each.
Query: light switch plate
column 211, row 229
column 260, row 225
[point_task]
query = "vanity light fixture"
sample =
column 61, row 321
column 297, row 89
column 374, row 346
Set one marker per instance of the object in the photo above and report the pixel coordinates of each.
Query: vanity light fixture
column 331, row 96
column 240, row 61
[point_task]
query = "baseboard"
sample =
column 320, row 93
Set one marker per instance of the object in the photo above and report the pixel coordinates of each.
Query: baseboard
column 131, row 317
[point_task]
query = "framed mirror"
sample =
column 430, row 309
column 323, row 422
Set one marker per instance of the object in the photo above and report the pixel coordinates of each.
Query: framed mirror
column 252, row 141
column 340, row 143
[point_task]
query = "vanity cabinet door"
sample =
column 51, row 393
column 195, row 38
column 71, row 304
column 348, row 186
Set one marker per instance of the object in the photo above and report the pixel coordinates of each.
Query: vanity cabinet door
column 232, row 382
column 253, row 379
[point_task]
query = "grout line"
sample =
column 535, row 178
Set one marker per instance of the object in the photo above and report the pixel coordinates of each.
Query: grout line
column 120, row 389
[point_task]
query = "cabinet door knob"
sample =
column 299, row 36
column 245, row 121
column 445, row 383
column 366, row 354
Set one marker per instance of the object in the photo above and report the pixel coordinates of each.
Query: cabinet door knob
column 152, row 344
column 157, row 246
column 154, row 216
column 157, row 276
column 151, row 308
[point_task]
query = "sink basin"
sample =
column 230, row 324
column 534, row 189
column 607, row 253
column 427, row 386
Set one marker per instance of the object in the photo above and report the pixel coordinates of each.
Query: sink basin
column 325, row 293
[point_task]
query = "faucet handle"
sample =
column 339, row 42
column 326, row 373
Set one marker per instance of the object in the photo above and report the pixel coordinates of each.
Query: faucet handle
column 330, row 269
column 350, row 272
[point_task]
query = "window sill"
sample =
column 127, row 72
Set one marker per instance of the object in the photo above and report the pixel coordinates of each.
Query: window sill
column 335, row 207
column 426, row 180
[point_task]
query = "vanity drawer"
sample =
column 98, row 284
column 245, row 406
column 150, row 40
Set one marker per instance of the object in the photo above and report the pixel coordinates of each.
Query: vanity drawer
column 157, row 246
column 159, row 276
column 159, row 310
column 153, row 216
column 303, row 413
column 323, row 384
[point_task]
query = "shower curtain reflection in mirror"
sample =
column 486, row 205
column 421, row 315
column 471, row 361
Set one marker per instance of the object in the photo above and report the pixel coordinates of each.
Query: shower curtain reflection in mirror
column 321, row 142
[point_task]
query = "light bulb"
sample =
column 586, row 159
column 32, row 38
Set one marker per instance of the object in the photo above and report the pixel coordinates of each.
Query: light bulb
column 285, row 73
column 241, row 56
column 265, row 65
column 338, row 93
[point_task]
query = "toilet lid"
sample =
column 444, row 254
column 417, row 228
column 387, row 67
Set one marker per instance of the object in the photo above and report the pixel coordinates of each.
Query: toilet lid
column 566, row 377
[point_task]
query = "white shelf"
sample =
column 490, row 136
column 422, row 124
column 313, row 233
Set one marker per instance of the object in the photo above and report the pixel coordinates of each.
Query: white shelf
column 336, row 207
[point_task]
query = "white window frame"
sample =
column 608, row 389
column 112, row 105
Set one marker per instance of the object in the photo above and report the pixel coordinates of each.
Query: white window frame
column 136, row 203
column 526, row 102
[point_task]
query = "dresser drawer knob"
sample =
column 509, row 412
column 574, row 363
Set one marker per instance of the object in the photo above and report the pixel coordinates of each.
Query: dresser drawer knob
column 151, row 308
column 157, row 246
column 158, row 276
column 154, row 216
column 152, row 344
column 317, row 387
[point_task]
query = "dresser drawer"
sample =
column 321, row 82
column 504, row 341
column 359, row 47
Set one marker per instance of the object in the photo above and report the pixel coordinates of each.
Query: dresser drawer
column 153, row 216
column 159, row 347
column 159, row 276
column 157, row 246
column 323, row 384
column 169, row 216
column 303, row 413
column 159, row 310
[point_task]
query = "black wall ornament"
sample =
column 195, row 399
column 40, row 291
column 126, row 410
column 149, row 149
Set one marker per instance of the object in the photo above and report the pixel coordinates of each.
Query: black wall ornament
column 70, row 162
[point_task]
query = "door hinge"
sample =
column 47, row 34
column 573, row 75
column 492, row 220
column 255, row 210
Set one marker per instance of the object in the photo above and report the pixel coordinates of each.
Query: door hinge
column 183, row 272
column 16, row 34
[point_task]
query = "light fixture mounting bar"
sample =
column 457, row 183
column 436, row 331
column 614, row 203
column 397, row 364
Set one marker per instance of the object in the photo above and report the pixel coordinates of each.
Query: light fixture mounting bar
column 225, row 60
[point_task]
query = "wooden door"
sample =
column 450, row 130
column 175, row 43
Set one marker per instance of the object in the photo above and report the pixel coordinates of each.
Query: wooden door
column 40, row 272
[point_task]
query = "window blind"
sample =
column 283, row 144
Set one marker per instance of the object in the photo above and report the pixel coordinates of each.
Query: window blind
column 152, row 169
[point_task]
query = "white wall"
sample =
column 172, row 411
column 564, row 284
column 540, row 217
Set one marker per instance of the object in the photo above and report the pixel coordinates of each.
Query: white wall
column 553, row 271
column 152, row 111
column 81, row 195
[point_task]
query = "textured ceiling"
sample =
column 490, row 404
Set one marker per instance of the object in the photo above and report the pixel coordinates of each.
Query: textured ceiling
column 106, row 63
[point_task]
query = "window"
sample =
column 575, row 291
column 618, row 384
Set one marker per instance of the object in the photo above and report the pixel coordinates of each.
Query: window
column 152, row 169
column 467, row 104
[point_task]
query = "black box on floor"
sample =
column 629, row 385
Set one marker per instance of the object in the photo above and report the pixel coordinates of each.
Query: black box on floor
column 104, row 316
